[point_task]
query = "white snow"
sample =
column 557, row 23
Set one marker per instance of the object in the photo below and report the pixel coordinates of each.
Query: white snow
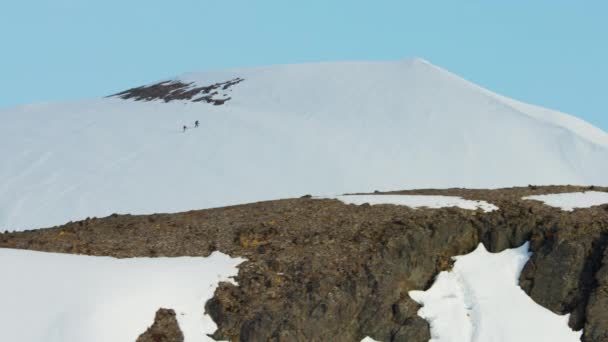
column 418, row 201
column 73, row 298
column 289, row 130
column 572, row 200
column 480, row 300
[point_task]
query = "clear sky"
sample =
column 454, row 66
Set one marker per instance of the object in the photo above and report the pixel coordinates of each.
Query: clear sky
column 547, row 52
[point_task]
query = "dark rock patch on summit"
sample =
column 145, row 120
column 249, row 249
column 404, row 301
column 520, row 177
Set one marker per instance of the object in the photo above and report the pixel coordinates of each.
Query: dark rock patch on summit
column 216, row 94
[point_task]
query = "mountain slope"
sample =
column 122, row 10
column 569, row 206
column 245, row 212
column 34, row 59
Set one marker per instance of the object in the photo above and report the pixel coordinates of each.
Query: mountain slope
column 281, row 131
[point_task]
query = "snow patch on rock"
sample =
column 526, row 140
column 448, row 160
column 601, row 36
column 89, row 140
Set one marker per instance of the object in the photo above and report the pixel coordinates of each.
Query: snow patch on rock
column 572, row 200
column 419, row 201
column 480, row 300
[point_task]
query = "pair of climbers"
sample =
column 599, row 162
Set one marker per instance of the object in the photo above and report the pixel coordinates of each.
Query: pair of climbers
column 186, row 127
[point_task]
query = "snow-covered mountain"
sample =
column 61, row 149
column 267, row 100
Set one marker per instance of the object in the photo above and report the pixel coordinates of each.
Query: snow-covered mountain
column 281, row 131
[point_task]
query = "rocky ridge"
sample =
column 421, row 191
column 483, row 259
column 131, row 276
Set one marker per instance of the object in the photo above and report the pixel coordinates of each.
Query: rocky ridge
column 322, row 270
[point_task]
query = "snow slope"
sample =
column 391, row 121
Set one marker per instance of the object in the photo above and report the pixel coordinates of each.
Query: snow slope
column 288, row 130
column 572, row 200
column 73, row 298
column 479, row 300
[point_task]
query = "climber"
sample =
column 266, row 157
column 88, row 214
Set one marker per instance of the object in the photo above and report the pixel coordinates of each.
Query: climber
column 196, row 123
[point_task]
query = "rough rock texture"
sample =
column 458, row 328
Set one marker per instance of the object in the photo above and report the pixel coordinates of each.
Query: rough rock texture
column 597, row 308
column 216, row 94
column 164, row 328
column 321, row 270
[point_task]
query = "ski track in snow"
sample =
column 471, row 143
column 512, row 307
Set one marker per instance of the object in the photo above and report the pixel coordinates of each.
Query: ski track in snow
column 474, row 317
column 73, row 298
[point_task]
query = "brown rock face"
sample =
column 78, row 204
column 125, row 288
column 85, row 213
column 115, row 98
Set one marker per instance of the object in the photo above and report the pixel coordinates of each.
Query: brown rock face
column 164, row 328
column 320, row 270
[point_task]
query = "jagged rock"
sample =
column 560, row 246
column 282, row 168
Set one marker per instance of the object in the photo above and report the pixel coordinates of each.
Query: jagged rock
column 553, row 276
column 164, row 329
column 596, row 327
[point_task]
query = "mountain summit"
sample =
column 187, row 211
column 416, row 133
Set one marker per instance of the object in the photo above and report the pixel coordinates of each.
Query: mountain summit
column 281, row 131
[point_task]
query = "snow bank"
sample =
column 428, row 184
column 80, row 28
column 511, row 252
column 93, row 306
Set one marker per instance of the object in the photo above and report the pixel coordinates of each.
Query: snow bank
column 571, row 200
column 72, row 298
column 419, row 201
column 480, row 301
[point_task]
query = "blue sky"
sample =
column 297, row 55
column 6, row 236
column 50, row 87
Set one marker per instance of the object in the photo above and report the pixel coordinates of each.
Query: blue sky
column 547, row 52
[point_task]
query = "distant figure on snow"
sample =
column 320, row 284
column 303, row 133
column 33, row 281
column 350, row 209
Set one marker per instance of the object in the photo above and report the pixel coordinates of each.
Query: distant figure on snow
column 185, row 128
column 196, row 123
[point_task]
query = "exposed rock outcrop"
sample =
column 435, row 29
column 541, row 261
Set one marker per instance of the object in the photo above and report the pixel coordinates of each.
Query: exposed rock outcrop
column 164, row 329
column 321, row 270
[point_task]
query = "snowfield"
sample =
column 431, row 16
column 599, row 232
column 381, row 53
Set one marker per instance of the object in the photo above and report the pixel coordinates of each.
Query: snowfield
column 572, row 200
column 288, row 130
column 73, row 298
column 480, row 300
column 419, row 201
